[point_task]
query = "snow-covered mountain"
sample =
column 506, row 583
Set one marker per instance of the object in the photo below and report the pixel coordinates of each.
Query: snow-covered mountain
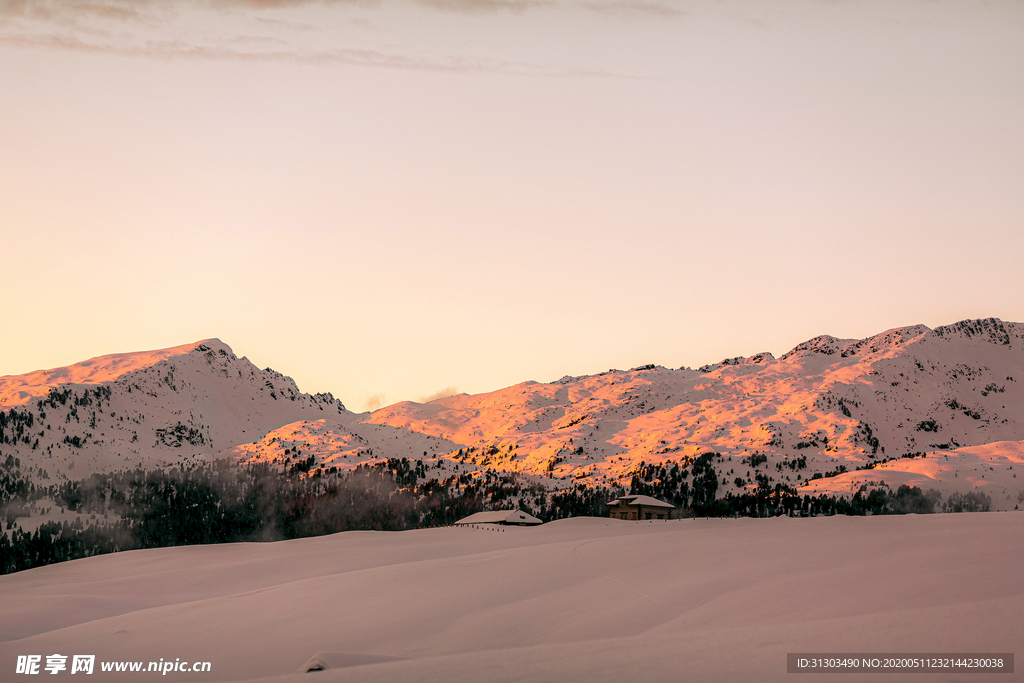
column 150, row 408
column 940, row 408
column 826, row 406
column 181, row 405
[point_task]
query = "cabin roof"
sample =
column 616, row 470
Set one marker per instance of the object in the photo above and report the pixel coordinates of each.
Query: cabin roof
column 500, row 517
column 640, row 500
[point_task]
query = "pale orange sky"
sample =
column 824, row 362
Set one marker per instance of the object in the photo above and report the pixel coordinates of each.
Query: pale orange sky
column 387, row 199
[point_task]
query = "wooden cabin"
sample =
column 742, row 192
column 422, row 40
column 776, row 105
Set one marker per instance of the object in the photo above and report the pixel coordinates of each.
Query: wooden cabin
column 639, row 508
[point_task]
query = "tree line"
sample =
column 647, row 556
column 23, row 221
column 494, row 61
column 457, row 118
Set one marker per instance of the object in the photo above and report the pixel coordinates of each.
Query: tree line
column 222, row 502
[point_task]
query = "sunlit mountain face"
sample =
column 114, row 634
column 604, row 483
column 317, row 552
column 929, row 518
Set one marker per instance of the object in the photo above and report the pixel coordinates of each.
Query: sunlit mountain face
column 935, row 408
column 18, row 390
column 146, row 409
column 910, row 405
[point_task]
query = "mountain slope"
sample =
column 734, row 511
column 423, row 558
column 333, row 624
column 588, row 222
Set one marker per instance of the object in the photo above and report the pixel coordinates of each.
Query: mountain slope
column 18, row 390
column 146, row 409
column 827, row 405
column 910, row 405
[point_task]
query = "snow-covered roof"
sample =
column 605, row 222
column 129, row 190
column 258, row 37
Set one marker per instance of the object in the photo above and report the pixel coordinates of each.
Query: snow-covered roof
column 641, row 500
column 500, row 517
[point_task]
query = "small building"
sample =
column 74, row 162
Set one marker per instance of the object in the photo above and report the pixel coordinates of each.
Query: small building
column 504, row 517
column 640, row 507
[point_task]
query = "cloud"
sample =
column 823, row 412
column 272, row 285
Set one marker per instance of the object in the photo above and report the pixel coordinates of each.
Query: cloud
column 468, row 6
column 481, row 6
column 280, row 4
column 26, row 8
column 176, row 49
column 627, row 8
column 108, row 11
column 373, row 402
column 440, row 393
column 281, row 23
column 132, row 9
column 161, row 29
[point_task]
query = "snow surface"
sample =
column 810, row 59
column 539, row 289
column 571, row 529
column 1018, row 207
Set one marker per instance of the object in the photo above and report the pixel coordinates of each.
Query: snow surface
column 345, row 444
column 991, row 469
column 912, row 389
column 16, row 390
column 163, row 408
column 500, row 516
column 576, row 600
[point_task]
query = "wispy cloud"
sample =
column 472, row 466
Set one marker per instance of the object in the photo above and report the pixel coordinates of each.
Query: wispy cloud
column 132, row 9
column 440, row 393
column 25, row 8
column 627, row 8
column 165, row 49
column 373, row 402
column 480, row 6
column 279, row 4
column 108, row 11
column 129, row 9
column 282, row 23
column 254, row 31
column 50, row 6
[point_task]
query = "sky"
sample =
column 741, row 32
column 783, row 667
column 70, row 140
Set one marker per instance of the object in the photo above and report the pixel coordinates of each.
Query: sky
column 398, row 199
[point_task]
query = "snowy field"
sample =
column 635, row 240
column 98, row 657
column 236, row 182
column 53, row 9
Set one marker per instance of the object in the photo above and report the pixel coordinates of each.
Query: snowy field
column 576, row 600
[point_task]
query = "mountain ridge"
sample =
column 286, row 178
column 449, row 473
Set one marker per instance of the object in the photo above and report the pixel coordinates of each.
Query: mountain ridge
column 153, row 408
column 827, row 416
column 827, row 406
column 17, row 390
